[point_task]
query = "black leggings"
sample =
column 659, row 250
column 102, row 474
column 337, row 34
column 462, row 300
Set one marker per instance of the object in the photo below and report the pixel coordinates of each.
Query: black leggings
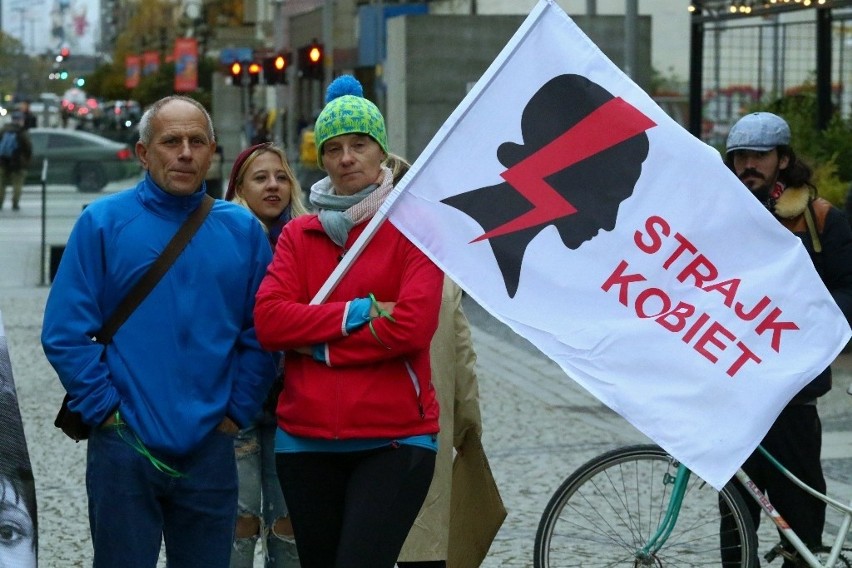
column 795, row 440
column 353, row 510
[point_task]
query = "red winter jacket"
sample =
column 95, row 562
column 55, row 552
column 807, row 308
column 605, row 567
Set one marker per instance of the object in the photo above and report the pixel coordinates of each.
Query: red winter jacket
column 368, row 388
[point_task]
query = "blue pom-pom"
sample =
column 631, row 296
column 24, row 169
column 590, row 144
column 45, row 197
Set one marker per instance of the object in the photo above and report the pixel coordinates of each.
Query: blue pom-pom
column 343, row 85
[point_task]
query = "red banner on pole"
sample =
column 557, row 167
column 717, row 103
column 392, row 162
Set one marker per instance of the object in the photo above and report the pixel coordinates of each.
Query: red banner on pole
column 150, row 62
column 186, row 64
column 132, row 65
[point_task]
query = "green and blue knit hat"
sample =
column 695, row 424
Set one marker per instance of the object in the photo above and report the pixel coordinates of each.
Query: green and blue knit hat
column 348, row 112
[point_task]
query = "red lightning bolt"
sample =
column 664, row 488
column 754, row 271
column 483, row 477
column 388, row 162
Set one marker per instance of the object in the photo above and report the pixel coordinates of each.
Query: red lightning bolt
column 611, row 123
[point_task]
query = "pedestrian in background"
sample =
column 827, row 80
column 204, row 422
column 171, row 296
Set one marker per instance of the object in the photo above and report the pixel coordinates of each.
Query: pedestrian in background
column 454, row 376
column 16, row 151
column 262, row 181
column 29, row 119
column 358, row 416
column 758, row 151
column 184, row 373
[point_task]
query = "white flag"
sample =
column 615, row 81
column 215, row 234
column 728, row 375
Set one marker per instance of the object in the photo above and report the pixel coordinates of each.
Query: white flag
column 573, row 209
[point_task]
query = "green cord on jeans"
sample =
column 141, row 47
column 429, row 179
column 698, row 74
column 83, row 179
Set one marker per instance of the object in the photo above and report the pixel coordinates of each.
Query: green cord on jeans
column 137, row 445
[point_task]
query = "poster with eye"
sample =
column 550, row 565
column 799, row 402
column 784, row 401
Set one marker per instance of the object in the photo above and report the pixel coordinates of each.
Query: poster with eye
column 18, row 512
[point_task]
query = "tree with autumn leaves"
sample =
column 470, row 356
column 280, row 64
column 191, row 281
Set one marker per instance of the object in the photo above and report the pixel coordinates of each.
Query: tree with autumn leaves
column 154, row 27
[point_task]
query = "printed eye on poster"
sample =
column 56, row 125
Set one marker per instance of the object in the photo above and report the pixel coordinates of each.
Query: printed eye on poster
column 18, row 511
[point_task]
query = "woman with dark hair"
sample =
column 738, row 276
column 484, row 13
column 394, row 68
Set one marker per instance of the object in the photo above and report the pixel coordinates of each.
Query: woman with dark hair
column 18, row 521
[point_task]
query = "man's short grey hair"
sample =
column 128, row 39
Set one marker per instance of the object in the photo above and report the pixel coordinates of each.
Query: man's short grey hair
column 145, row 122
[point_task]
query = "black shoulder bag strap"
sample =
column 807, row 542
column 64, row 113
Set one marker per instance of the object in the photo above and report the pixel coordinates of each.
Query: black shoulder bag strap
column 71, row 423
column 145, row 284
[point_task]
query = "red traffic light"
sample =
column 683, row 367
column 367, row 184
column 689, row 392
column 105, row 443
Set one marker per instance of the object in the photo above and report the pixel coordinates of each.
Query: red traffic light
column 311, row 60
column 64, row 52
column 254, row 72
column 315, row 54
column 236, row 70
column 275, row 69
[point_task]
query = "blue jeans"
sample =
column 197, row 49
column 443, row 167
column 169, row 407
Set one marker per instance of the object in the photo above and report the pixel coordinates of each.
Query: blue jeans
column 133, row 506
column 260, row 497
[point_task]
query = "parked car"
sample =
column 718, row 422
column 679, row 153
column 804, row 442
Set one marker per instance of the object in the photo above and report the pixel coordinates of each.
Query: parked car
column 80, row 158
column 120, row 115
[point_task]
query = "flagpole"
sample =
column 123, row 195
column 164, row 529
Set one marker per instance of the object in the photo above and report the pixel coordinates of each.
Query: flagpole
column 351, row 255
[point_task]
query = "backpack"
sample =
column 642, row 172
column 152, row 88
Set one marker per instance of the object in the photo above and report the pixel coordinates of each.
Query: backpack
column 8, row 145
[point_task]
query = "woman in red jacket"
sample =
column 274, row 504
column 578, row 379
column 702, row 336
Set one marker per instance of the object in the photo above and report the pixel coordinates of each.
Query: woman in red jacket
column 357, row 416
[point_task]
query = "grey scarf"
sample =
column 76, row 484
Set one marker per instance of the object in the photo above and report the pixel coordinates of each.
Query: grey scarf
column 339, row 213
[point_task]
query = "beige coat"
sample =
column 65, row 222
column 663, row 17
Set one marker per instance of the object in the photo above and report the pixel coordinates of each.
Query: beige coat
column 454, row 377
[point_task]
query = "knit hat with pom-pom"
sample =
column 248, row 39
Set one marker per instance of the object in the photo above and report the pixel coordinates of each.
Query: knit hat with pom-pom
column 348, row 112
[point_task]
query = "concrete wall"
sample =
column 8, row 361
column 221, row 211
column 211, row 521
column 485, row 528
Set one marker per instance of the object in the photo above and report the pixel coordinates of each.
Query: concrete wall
column 670, row 23
column 432, row 61
column 228, row 116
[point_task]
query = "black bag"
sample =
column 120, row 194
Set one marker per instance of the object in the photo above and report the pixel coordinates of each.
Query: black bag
column 70, row 422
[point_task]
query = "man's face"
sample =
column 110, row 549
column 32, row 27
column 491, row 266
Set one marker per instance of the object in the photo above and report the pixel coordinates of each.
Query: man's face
column 758, row 170
column 180, row 150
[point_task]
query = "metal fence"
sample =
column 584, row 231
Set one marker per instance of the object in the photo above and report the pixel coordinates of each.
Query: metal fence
column 757, row 60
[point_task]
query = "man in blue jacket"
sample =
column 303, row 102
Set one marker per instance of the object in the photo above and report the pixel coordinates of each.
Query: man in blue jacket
column 183, row 373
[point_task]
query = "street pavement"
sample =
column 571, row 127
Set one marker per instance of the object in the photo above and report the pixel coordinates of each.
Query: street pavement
column 538, row 424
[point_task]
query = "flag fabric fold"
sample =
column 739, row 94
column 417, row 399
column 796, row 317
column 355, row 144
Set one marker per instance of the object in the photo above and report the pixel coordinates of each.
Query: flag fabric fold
column 573, row 209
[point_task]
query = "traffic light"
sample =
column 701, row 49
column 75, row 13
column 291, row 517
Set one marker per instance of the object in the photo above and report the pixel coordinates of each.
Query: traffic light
column 275, row 69
column 315, row 54
column 254, row 73
column 311, row 61
column 236, row 70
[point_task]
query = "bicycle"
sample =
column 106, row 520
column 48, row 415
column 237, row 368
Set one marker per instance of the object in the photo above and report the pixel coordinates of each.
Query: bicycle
column 638, row 506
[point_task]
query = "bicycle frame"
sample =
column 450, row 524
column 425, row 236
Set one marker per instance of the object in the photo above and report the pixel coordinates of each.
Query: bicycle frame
column 656, row 542
column 784, row 527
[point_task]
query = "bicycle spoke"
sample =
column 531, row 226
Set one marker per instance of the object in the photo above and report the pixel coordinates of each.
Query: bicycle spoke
column 608, row 510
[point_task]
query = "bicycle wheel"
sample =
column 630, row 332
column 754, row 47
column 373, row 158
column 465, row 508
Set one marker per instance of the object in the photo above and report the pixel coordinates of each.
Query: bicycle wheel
column 608, row 509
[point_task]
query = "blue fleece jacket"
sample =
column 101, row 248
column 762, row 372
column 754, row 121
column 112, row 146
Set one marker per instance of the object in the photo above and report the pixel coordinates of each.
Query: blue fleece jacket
column 188, row 356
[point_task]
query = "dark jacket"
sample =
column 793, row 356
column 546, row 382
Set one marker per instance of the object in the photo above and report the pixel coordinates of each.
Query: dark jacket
column 833, row 263
column 21, row 159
